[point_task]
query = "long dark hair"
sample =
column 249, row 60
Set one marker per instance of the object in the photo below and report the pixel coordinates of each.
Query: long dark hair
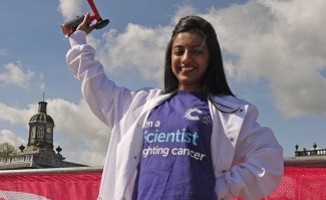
column 214, row 80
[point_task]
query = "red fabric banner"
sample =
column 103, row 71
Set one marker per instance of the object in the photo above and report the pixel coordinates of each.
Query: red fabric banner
column 54, row 186
column 298, row 183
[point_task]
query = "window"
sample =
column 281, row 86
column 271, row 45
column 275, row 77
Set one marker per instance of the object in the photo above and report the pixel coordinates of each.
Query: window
column 40, row 132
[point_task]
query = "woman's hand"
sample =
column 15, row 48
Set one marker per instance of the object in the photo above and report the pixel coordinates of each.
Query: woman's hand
column 86, row 24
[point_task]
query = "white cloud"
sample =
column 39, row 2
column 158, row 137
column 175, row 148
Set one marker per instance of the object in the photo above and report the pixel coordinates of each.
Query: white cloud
column 278, row 41
column 70, row 9
column 140, row 48
column 10, row 137
column 15, row 115
column 14, row 74
column 182, row 11
column 73, row 119
column 88, row 136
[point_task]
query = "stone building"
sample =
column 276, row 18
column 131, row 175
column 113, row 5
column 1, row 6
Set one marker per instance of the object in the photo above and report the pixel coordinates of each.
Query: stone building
column 39, row 152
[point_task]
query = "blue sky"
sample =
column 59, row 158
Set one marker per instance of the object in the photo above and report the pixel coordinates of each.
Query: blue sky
column 273, row 50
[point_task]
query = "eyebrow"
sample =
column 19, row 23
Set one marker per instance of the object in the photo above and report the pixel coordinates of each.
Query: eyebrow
column 192, row 46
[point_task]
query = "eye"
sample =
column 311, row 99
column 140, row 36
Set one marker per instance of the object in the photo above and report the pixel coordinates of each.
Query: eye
column 178, row 51
column 197, row 51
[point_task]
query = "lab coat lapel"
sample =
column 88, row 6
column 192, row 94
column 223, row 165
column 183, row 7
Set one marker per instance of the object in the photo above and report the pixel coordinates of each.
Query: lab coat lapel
column 228, row 117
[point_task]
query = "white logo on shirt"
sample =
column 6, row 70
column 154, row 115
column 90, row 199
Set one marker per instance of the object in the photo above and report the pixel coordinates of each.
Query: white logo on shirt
column 191, row 114
column 194, row 114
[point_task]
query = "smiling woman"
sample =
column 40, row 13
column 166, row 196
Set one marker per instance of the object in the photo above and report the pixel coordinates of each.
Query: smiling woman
column 193, row 140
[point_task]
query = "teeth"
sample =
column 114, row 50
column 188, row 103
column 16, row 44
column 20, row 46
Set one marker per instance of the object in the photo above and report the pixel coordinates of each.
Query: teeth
column 184, row 69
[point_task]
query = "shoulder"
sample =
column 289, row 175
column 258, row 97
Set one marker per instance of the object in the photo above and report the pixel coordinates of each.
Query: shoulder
column 146, row 99
column 147, row 93
column 142, row 97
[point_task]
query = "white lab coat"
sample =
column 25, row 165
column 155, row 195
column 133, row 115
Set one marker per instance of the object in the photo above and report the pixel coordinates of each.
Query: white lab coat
column 247, row 159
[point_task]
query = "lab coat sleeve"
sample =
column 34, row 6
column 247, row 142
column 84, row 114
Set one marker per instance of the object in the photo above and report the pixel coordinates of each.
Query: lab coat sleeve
column 257, row 165
column 107, row 101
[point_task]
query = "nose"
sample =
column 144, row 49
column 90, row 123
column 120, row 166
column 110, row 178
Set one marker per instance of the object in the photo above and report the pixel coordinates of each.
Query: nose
column 186, row 58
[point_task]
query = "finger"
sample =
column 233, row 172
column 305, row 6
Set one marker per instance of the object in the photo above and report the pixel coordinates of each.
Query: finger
column 86, row 19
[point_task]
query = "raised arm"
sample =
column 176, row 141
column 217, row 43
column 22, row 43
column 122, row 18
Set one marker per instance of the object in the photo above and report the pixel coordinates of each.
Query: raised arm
column 106, row 100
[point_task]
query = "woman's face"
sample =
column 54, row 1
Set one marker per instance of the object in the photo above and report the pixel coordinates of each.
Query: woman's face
column 189, row 60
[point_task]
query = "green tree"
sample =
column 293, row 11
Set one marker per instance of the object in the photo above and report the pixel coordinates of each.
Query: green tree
column 7, row 150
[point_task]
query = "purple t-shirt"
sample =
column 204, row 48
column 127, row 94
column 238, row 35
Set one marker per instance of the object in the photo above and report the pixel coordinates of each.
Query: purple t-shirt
column 176, row 158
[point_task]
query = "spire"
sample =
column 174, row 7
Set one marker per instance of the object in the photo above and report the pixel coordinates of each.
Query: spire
column 42, row 105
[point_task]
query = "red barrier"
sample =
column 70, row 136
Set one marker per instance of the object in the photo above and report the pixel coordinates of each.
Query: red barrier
column 298, row 183
column 54, row 186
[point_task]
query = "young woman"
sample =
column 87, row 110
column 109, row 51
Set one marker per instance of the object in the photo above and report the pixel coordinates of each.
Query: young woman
column 193, row 140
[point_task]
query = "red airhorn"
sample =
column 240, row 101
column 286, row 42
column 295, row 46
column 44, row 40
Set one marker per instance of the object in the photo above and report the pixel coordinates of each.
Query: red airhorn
column 70, row 27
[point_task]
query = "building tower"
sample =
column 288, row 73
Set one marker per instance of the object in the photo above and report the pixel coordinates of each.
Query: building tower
column 40, row 137
column 39, row 152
